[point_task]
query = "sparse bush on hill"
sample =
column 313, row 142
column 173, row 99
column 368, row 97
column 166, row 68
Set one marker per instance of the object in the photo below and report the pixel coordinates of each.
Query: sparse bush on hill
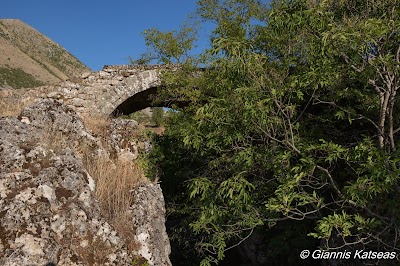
column 17, row 78
column 33, row 59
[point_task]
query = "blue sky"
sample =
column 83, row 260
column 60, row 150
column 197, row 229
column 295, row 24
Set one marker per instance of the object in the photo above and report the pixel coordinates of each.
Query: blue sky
column 99, row 32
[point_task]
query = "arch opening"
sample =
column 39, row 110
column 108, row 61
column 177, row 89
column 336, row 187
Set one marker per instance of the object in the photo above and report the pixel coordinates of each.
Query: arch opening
column 141, row 101
column 137, row 102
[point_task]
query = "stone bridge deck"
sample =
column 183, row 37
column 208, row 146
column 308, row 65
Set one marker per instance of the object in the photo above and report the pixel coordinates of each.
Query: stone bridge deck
column 97, row 92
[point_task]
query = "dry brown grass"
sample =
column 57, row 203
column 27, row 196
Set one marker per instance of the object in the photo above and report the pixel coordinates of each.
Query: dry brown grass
column 114, row 181
column 11, row 106
column 55, row 140
column 97, row 123
column 36, row 58
column 115, row 178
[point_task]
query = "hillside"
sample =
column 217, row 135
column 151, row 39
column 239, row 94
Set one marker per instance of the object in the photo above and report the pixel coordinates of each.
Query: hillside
column 29, row 59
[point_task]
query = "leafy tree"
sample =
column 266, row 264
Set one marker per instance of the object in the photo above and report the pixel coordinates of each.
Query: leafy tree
column 168, row 47
column 292, row 117
column 157, row 116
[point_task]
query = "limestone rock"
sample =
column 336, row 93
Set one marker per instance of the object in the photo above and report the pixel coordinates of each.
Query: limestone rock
column 121, row 133
column 59, row 121
column 45, row 217
column 48, row 212
column 56, row 115
column 47, row 207
column 148, row 213
column 85, row 75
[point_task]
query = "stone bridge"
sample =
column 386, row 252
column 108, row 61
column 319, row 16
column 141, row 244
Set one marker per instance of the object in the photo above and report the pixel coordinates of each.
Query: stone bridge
column 114, row 89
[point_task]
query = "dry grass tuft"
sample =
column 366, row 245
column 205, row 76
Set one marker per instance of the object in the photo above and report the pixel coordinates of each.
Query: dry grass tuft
column 115, row 177
column 114, row 181
column 98, row 124
column 12, row 106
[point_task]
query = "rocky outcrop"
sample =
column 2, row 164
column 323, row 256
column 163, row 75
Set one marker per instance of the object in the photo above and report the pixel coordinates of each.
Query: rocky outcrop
column 121, row 141
column 48, row 210
column 148, row 215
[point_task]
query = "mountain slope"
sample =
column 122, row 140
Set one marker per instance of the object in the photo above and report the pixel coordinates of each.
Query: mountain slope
column 29, row 59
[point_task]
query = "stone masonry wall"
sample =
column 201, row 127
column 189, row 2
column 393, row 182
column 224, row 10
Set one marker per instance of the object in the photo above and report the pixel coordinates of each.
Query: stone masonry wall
column 98, row 92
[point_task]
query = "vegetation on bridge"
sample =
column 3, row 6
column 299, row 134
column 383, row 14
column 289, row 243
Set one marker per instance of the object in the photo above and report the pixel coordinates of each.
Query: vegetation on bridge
column 291, row 131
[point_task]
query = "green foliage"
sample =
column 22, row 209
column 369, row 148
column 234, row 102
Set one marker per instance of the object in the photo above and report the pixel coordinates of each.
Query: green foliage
column 157, row 116
column 294, row 118
column 168, row 47
column 139, row 261
column 344, row 224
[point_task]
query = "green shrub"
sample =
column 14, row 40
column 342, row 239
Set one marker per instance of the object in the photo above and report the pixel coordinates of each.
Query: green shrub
column 158, row 116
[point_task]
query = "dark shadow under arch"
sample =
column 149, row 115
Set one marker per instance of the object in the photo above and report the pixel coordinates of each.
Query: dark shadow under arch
column 142, row 100
column 137, row 102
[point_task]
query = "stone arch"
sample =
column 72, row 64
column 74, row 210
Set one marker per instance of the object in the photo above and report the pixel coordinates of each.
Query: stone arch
column 122, row 88
column 131, row 90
